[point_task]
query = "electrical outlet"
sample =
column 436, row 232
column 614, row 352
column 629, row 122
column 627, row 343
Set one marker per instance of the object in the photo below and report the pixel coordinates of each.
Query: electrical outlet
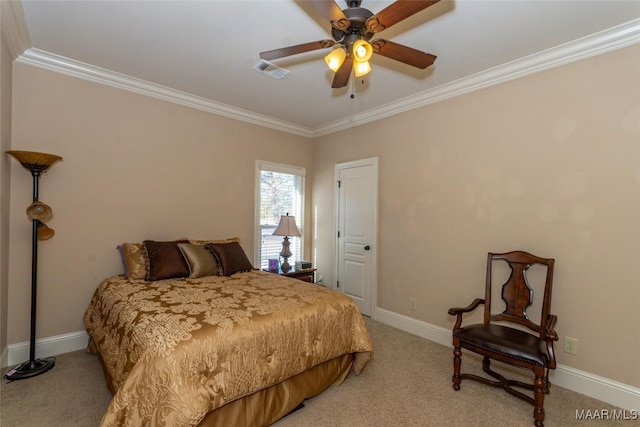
column 571, row 345
column 413, row 303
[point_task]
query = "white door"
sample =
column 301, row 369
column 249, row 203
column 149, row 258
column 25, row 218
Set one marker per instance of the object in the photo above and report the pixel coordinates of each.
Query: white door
column 356, row 223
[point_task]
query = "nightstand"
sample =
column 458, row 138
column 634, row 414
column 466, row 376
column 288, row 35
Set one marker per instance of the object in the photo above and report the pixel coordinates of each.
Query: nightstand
column 306, row 274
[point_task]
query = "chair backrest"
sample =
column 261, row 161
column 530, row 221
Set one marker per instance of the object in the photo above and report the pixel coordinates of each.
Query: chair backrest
column 516, row 292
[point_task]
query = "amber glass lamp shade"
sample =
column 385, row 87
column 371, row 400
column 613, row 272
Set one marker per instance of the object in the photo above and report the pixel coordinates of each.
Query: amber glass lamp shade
column 362, row 51
column 361, row 69
column 45, row 232
column 34, row 161
column 335, row 58
column 40, row 211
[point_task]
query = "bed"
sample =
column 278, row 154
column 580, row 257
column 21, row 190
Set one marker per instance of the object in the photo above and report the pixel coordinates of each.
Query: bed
column 241, row 348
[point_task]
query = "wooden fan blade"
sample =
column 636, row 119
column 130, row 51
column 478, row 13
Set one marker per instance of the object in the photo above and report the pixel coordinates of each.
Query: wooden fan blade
column 294, row 50
column 341, row 79
column 403, row 53
column 395, row 13
column 332, row 13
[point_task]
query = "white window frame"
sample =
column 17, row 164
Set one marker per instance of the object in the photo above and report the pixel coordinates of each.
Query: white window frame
column 262, row 165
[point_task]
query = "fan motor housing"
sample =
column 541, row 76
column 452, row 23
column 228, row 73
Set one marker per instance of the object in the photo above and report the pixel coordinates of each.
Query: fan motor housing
column 357, row 17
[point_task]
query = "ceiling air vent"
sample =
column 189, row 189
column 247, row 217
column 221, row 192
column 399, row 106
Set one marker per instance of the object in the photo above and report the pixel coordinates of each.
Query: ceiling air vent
column 266, row 67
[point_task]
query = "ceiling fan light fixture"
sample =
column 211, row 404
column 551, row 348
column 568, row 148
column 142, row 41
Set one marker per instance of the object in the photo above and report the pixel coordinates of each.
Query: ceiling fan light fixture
column 361, row 68
column 362, row 51
column 351, row 30
column 335, row 58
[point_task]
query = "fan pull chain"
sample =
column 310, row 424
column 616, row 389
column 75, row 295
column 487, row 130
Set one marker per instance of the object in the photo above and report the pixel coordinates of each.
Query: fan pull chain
column 353, row 95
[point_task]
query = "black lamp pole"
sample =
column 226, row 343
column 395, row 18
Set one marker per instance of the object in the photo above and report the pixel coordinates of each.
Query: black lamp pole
column 36, row 366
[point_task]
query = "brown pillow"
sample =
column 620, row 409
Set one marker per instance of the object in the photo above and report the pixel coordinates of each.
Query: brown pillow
column 165, row 260
column 201, row 261
column 230, row 258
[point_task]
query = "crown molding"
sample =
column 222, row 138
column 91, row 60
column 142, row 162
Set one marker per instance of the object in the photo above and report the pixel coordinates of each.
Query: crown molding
column 81, row 70
column 596, row 44
column 14, row 30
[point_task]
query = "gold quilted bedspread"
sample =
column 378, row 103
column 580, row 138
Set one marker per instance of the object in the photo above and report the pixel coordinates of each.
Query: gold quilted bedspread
column 177, row 349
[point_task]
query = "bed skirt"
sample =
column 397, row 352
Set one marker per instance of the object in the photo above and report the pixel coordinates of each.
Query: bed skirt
column 267, row 406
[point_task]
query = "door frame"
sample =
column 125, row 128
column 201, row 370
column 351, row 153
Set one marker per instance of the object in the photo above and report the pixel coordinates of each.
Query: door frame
column 371, row 161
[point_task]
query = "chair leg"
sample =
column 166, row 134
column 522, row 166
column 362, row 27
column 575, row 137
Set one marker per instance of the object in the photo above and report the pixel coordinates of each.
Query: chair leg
column 540, row 388
column 547, row 384
column 486, row 364
column 457, row 353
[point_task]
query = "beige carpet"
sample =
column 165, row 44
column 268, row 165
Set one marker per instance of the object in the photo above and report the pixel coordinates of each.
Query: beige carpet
column 408, row 383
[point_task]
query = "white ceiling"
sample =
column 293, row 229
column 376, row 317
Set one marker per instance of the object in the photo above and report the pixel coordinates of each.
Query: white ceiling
column 201, row 53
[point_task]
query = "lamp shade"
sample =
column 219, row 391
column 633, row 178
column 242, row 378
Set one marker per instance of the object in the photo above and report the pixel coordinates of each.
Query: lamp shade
column 45, row 232
column 335, row 58
column 361, row 68
column 287, row 227
column 34, row 161
column 362, row 51
column 40, row 211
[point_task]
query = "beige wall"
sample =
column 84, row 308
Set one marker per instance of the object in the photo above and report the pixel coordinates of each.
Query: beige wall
column 134, row 168
column 549, row 163
column 5, row 144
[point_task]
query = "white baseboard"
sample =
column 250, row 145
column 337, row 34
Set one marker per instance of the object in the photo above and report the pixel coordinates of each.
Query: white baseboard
column 413, row 326
column 615, row 393
column 46, row 347
column 618, row 394
column 4, row 357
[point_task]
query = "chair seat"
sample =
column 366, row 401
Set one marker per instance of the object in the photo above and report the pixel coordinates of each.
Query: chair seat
column 510, row 342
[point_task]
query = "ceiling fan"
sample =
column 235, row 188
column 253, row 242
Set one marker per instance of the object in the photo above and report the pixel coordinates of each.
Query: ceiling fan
column 352, row 29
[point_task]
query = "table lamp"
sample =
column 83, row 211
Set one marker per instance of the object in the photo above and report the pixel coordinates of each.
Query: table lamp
column 287, row 227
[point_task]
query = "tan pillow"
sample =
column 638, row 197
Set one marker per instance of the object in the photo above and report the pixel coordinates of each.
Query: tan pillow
column 165, row 260
column 123, row 258
column 201, row 261
column 134, row 258
column 204, row 242
column 230, row 258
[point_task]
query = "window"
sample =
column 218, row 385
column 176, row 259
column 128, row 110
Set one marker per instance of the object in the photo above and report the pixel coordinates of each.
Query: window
column 279, row 190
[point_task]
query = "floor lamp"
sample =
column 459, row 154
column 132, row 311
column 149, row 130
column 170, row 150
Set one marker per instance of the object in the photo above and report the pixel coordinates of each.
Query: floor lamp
column 39, row 213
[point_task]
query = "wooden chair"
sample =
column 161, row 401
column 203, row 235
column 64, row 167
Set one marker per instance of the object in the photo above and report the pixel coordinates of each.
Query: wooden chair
column 502, row 337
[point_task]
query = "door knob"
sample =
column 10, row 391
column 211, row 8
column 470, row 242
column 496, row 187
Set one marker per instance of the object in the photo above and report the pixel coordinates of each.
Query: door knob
column 366, row 248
